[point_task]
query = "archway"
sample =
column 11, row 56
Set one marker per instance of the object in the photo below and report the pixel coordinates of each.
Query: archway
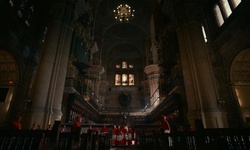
column 8, row 79
column 240, row 82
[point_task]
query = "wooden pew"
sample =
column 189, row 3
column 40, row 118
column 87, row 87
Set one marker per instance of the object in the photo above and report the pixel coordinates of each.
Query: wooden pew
column 70, row 141
column 21, row 140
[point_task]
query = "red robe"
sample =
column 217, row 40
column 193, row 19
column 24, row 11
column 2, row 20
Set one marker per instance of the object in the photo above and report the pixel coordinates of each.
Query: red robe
column 130, row 137
column 104, row 130
column 16, row 125
column 118, row 137
column 75, row 124
column 124, row 134
column 95, row 130
column 114, row 136
column 165, row 126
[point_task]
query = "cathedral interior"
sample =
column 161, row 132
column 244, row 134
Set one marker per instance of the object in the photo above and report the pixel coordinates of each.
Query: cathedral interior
column 125, row 61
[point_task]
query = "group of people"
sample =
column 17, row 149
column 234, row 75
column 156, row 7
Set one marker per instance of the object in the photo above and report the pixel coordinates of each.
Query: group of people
column 122, row 135
column 16, row 124
column 77, row 123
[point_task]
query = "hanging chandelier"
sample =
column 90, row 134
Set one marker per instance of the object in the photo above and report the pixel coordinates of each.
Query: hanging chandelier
column 123, row 12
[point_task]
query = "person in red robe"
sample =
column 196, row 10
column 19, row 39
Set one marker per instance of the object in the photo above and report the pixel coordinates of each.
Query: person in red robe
column 77, row 123
column 130, row 138
column 118, row 136
column 114, row 135
column 165, row 127
column 96, row 130
column 16, row 123
column 104, row 129
column 124, row 135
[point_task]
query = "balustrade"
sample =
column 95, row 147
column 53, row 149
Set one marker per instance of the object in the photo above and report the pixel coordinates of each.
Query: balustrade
column 151, row 138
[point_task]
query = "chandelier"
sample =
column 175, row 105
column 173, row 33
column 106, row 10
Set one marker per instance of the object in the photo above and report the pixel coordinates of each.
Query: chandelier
column 123, row 12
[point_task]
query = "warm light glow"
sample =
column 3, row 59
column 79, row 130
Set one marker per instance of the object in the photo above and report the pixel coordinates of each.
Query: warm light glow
column 238, row 96
column 123, row 12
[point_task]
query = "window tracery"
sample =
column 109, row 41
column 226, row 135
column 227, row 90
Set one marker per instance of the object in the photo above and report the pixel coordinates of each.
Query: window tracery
column 124, row 78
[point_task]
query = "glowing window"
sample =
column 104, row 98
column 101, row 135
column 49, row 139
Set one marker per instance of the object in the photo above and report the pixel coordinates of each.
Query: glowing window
column 124, row 64
column 124, row 78
column 218, row 15
column 235, row 3
column 131, row 79
column 117, row 79
column 225, row 8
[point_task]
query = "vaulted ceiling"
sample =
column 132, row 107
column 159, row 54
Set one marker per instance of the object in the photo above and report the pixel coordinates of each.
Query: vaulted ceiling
column 116, row 39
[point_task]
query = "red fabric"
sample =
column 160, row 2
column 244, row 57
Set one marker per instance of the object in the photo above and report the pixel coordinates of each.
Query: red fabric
column 165, row 125
column 124, row 132
column 114, row 135
column 16, row 125
column 104, row 130
column 135, row 138
column 75, row 124
column 118, row 137
column 114, row 130
column 130, row 138
column 95, row 130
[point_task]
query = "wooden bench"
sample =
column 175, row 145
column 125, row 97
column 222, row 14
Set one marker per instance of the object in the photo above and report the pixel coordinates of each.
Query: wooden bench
column 21, row 139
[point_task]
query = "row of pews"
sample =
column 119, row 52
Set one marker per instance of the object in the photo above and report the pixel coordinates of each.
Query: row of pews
column 53, row 140
column 206, row 139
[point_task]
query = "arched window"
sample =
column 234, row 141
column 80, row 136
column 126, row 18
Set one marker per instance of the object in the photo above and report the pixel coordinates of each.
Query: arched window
column 117, row 79
column 124, row 77
column 131, row 79
column 124, row 64
column 218, row 15
column 225, row 8
column 235, row 3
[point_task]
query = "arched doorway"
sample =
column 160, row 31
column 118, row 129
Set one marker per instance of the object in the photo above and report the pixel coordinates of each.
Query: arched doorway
column 240, row 82
column 8, row 80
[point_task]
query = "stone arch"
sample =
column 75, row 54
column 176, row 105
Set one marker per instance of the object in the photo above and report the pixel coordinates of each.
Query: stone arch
column 240, row 82
column 9, row 74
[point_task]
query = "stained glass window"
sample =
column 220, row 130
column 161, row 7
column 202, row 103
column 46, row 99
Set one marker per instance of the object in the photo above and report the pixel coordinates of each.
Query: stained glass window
column 117, row 79
column 131, row 79
column 124, row 79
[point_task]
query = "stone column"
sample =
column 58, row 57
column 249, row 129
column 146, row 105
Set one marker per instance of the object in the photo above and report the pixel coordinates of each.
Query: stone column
column 199, row 83
column 153, row 73
column 49, row 84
